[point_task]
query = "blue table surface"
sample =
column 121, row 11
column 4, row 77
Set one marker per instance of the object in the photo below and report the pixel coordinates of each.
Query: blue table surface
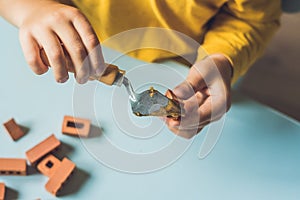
column 256, row 157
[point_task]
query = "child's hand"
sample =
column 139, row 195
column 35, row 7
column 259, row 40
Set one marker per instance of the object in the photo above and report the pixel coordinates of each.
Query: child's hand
column 65, row 35
column 205, row 95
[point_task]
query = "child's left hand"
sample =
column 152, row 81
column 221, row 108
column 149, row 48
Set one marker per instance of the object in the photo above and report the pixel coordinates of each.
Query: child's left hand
column 205, row 94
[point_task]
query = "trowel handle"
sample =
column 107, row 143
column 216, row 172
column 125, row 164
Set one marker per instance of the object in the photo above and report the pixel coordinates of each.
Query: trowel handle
column 109, row 76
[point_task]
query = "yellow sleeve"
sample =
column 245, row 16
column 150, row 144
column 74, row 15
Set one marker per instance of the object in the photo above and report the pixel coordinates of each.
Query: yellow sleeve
column 241, row 31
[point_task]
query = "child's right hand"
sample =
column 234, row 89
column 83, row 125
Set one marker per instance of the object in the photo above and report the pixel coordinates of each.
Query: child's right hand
column 65, row 35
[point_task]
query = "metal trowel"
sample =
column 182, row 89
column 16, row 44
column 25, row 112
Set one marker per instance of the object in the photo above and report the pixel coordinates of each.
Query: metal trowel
column 148, row 103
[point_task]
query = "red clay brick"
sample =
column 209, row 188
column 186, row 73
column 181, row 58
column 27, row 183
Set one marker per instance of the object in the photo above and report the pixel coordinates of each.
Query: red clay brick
column 60, row 176
column 13, row 129
column 76, row 126
column 42, row 149
column 13, row 166
column 2, row 191
column 49, row 165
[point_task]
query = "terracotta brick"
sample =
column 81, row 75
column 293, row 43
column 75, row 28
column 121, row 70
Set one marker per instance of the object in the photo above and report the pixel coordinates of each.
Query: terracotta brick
column 42, row 149
column 2, row 191
column 76, row 126
column 13, row 166
column 49, row 165
column 60, row 176
column 13, row 129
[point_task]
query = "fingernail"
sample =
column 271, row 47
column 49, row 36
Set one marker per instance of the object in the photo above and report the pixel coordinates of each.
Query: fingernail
column 83, row 80
column 64, row 79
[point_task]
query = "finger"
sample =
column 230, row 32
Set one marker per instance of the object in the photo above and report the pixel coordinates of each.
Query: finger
column 184, row 90
column 194, row 101
column 31, row 51
column 190, row 124
column 191, row 117
column 69, row 63
column 185, row 133
column 55, row 54
column 194, row 82
column 75, row 50
column 217, row 104
column 195, row 76
column 91, row 43
column 212, row 109
column 172, row 122
column 202, row 109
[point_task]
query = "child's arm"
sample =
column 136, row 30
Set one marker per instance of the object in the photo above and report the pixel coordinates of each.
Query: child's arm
column 236, row 37
column 62, row 31
column 242, row 30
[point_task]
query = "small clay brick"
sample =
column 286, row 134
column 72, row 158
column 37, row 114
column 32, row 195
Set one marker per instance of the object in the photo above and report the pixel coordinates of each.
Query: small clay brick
column 13, row 129
column 60, row 176
column 49, row 165
column 2, row 191
column 76, row 126
column 42, row 149
column 13, row 166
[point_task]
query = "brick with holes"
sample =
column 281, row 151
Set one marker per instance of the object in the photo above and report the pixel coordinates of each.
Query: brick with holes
column 76, row 126
column 13, row 166
column 49, row 165
column 57, row 171
column 13, row 129
column 2, row 191
column 39, row 151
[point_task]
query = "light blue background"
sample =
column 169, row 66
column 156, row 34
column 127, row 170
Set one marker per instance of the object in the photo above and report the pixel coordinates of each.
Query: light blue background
column 257, row 156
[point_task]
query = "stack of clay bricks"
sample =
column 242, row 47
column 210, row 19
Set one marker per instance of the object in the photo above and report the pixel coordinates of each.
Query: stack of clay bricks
column 41, row 155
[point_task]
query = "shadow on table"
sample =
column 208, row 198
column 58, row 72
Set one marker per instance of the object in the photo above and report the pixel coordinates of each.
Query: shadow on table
column 238, row 98
column 76, row 181
column 11, row 193
column 25, row 129
column 95, row 131
column 64, row 150
column 32, row 170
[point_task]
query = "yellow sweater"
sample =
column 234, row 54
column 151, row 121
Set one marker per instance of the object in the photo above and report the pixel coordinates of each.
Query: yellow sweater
column 239, row 29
